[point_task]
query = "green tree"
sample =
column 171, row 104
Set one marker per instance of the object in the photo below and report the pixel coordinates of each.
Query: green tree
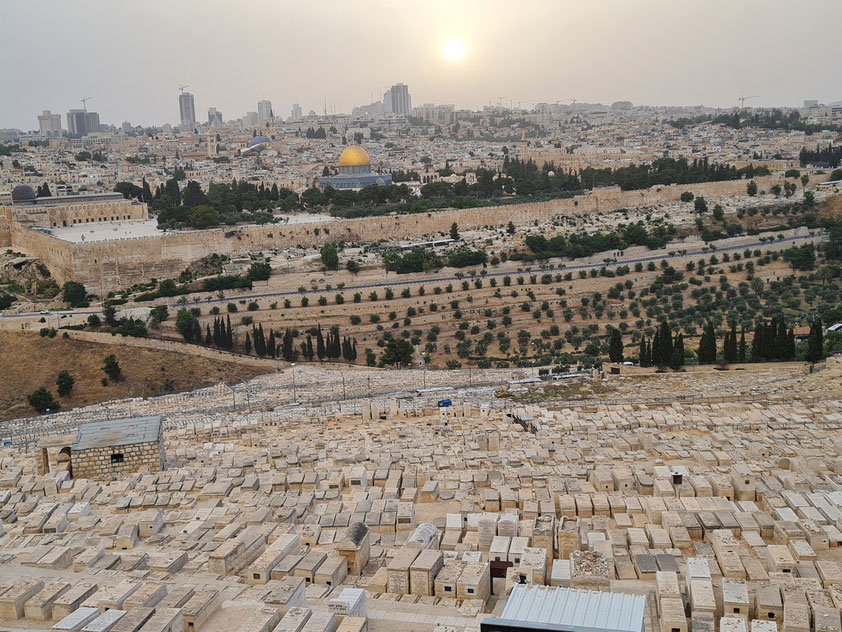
column 330, row 259
column 109, row 313
column 42, row 400
column 687, row 196
column 707, row 345
column 510, row 228
column 204, row 216
column 259, row 271
column 353, row 266
column 615, row 346
column 287, row 350
column 74, row 294
column 700, row 205
column 64, row 382
column 112, row 369
column 186, row 324
column 677, row 358
column 815, row 342
column 751, row 188
column 159, row 314
column 398, row 351
column 454, row 231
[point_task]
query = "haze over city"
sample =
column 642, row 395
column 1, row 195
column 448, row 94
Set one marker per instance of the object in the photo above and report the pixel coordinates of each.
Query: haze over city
column 432, row 316
column 131, row 57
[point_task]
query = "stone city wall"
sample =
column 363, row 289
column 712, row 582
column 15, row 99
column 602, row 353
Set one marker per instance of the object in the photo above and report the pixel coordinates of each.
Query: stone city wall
column 109, row 265
column 96, row 462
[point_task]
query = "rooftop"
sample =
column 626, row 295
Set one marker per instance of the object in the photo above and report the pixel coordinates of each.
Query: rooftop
column 554, row 608
column 103, row 434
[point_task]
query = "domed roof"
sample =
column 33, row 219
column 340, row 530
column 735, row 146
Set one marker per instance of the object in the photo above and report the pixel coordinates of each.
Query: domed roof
column 354, row 156
column 257, row 140
column 23, row 193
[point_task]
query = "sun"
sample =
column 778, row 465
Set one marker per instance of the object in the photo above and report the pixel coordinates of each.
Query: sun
column 453, row 50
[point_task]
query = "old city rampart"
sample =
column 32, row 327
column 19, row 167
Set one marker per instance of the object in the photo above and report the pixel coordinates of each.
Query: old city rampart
column 108, row 265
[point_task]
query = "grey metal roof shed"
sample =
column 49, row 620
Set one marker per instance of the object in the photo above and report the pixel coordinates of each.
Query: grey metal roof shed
column 104, row 434
column 552, row 608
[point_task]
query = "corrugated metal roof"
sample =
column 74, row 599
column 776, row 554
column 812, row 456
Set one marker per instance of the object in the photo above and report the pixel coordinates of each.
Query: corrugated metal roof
column 102, row 434
column 555, row 608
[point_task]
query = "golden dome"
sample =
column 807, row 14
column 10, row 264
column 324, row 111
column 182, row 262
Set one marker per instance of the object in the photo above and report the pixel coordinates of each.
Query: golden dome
column 354, row 156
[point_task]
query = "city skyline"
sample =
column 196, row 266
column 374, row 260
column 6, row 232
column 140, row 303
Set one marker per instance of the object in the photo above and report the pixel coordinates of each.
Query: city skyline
column 521, row 56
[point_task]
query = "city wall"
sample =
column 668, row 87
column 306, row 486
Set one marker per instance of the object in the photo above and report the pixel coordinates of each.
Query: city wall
column 109, row 265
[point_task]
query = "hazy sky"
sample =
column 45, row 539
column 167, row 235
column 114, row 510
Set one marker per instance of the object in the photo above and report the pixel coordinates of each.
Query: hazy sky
column 132, row 55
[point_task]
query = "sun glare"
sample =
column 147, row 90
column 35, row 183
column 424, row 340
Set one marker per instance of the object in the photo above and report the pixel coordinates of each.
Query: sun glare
column 453, row 50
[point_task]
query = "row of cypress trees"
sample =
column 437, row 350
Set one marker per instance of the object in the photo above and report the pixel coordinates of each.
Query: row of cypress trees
column 328, row 347
column 772, row 341
column 663, row 349
column 222, row 335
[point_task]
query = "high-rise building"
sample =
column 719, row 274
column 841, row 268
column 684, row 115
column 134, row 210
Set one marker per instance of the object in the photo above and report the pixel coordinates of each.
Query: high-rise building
column 296, row 112
column 187, row 109
column 387, row 101
column 92, row 122
column 264, row 111
column 811, row 103
column 49, row 124
column 250, row 119
column 126, row 127
column 214, row 117
column 81, row 123
column 401, row 101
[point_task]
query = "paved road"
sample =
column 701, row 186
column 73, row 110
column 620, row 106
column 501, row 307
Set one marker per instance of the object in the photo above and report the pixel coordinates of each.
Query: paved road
column 398, row 282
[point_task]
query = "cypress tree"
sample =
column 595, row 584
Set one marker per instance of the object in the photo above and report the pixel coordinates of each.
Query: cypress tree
column 320, row 344
column 197, row 331
column 248, row 344
column 641, row 355
column 677, row 359
column 287, row 350
column 354, row 350
column 730, row 349
column 260, row 341
column 229, row 335
column 707, row 345
column 271, row 348
column 309, row 347
column 615, row 346
column 711, row 350
column 666, row 341
column 208, row 337
column 742, row 350
column 815, row 342
column 337, row 345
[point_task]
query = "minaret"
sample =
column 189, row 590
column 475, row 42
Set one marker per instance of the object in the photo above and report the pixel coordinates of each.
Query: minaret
column 211, row 144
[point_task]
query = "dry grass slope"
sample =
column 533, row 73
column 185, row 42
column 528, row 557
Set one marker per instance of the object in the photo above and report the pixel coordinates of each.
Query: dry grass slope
column 28, row 361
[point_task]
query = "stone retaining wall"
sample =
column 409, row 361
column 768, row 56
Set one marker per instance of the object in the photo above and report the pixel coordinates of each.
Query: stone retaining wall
column 110, row 265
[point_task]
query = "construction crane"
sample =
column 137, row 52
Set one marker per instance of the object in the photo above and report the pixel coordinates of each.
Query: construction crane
column 743, row 100
column 181, row 88
column 84, row 103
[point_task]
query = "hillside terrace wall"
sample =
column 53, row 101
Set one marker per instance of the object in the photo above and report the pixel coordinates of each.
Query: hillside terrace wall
column 109, row 265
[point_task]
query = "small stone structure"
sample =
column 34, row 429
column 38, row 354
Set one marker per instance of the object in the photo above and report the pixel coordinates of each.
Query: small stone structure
column 108, row 449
